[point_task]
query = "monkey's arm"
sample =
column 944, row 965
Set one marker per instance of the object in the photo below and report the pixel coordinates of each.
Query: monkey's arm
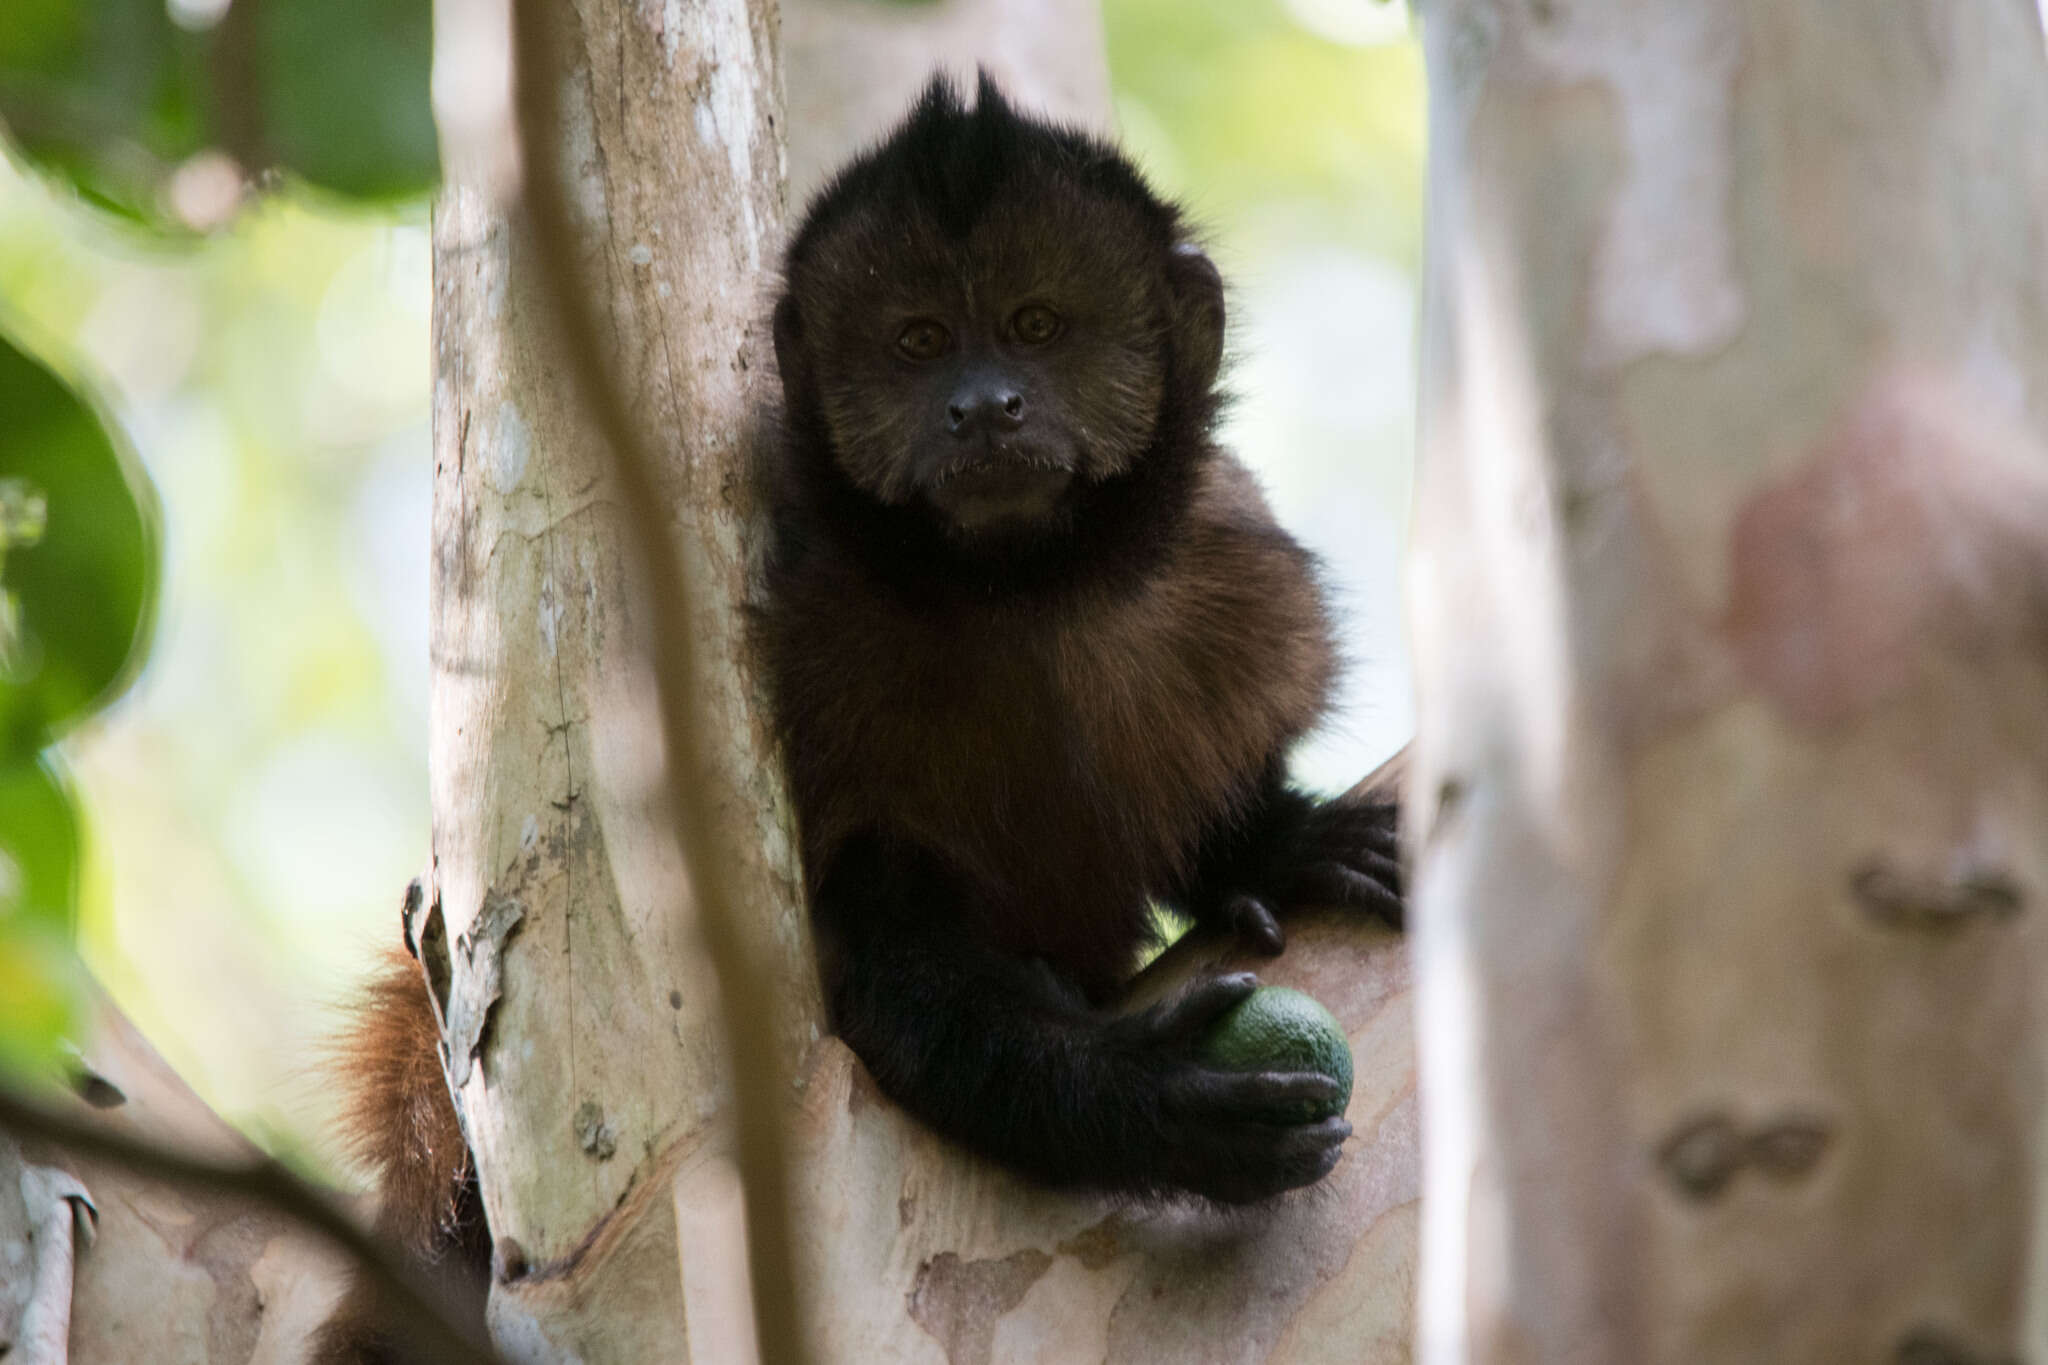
column 1288, row 850
column 1002, row 1056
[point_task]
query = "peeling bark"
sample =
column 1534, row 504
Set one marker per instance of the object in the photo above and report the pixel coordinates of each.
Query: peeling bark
column 1730, row 613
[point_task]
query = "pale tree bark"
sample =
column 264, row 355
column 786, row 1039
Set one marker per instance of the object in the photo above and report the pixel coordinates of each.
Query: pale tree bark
column 1729, row 603
column 584, row 1028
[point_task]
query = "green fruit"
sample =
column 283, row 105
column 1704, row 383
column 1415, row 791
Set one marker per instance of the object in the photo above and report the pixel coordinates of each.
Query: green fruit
column 1278, row 1029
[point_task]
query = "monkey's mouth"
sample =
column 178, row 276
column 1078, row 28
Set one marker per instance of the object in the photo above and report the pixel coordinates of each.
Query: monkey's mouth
column 993, row 490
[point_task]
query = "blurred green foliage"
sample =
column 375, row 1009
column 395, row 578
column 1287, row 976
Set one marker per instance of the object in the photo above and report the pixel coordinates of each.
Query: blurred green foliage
column 39, row 838
column 77, row 580
column 254, row 806
column 123, row 100
column 39, row 984
column 118, row 96
column 1267, row 124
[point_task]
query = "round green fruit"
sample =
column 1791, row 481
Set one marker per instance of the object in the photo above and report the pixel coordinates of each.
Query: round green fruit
column 1278, row 1029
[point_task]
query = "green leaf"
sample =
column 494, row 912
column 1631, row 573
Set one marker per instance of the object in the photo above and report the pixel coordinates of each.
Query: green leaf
column 77, row 558
column 107, row 93
column 345, row 95
column 39, row 976
column 115, row 97
column 38, row 846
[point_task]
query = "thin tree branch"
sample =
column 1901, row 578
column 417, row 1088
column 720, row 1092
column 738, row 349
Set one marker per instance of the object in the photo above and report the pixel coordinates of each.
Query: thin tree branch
column 760, row 1084
column 435, row 1331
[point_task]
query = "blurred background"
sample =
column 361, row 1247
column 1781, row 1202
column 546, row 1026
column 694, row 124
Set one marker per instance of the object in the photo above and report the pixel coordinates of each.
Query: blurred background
column 255, row 804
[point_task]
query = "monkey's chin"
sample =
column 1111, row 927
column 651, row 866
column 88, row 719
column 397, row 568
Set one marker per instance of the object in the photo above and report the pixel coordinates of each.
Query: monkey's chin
column 1002, row 501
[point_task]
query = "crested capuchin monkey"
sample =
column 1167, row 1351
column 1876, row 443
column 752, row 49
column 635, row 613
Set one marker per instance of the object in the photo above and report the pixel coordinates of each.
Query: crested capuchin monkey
column 1036, row 652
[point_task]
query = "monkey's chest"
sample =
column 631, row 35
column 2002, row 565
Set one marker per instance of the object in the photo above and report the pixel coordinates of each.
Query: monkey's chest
column 1065, row 775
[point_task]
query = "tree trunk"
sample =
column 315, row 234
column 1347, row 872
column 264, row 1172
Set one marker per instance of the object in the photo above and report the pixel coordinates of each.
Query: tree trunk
column 584, row 1032
column 1730, row 616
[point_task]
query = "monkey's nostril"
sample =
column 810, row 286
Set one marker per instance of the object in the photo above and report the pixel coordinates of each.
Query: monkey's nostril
column 955, row 415
column 1013, row 406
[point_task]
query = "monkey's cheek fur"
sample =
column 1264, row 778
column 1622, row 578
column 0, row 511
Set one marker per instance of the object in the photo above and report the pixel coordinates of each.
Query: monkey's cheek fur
column 997, row 497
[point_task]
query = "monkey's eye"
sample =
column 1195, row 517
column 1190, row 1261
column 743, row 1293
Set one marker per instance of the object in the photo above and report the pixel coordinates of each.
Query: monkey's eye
column 923, row 339
column 1035, row 324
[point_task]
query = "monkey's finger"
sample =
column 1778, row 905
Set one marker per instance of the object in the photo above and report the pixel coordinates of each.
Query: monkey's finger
column 1378, row 831
column 1239, row 1163
column 1336, row 884
column 1375, row 865
column 1268, row 1097
column 1253, row 922
column 1199, row 1005
column 1350, row 822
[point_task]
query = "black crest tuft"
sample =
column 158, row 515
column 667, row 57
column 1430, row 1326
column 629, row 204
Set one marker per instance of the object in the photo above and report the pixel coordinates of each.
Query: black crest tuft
column 950, row 162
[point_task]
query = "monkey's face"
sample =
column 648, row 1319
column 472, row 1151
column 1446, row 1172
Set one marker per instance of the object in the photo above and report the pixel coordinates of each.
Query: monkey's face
column 990, row 375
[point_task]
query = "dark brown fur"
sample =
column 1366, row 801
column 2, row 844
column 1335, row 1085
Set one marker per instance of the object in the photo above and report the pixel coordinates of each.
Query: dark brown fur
column 1067, row 758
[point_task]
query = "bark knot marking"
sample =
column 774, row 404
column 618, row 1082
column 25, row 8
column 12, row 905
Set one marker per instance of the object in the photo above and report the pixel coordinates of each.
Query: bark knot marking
column 1702, row 1157
column 593, row 1134
column 1940, row 904
column 479, row 980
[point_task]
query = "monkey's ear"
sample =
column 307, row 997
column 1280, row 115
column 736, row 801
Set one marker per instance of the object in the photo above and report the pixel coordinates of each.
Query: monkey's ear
column 1197, row 289
column 789, row 347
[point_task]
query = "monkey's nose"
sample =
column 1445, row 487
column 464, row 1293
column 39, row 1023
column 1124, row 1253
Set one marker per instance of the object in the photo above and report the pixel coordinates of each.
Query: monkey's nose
column 996, row 406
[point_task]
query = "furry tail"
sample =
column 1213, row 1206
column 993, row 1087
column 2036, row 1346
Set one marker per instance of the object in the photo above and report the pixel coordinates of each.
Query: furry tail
column 398, row 1120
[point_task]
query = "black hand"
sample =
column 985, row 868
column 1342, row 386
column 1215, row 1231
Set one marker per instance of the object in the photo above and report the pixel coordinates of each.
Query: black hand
column 1224, row 1134
column 1002, row 1055
column 1344, row 853
column 1292, row 852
